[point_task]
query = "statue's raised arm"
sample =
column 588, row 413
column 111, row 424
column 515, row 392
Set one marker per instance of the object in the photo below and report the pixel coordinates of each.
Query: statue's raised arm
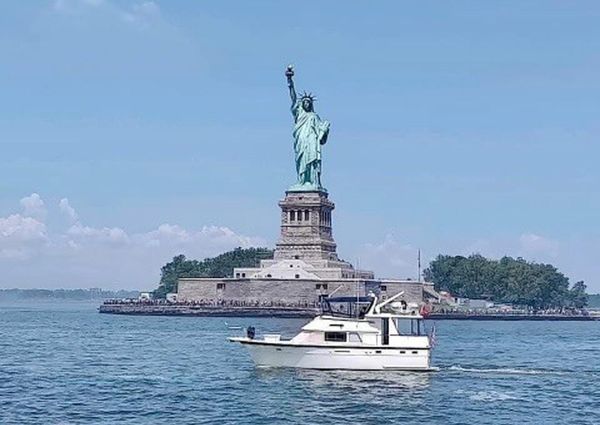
column 289, row 73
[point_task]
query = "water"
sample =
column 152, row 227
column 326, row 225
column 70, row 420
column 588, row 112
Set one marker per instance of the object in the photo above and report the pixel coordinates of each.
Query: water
column 67, row 364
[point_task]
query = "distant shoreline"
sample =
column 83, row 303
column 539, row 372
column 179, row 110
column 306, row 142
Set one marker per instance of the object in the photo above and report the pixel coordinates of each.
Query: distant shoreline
column 77, row 294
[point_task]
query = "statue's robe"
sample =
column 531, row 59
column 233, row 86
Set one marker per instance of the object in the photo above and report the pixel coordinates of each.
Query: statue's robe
column 310, row 132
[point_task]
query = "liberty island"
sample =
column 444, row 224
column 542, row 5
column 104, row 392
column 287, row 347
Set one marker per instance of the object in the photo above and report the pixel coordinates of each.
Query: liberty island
column 305, row 265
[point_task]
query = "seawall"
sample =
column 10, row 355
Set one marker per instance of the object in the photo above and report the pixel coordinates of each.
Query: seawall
column 301, row 312
column 206, row 311
column 511, row 317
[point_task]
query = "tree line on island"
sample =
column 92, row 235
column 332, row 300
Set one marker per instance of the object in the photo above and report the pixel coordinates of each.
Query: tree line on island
column 508, row 280
column 219, row 266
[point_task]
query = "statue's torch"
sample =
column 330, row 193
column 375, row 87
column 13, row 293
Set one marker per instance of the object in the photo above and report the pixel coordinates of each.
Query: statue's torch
column 289, row 72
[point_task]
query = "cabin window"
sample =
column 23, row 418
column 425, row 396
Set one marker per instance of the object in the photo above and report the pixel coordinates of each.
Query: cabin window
column 383, row 288
column 409, row 326
column 354, row 337
column 269, row 275
column 306, row 215
column 335, row 336
column 297, row 276
column 299, row 215
column 220, row 286
column 237, row 275
column 243, row 274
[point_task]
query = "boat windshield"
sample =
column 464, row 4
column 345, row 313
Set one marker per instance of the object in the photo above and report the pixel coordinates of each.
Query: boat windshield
column 407, row 326
column 346, row 306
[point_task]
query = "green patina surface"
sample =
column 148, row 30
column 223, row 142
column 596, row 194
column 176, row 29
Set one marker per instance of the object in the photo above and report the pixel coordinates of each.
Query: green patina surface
column 310, row 134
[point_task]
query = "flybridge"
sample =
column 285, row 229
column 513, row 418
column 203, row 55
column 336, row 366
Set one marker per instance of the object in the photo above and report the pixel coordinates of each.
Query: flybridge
column 345, row 306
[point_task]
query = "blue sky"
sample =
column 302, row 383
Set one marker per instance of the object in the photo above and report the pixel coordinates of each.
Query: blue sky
column 131, row 131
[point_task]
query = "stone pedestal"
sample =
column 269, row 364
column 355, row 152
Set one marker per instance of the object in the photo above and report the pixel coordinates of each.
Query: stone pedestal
column 306, row 227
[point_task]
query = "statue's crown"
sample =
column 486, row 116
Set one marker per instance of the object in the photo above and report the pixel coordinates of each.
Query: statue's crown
column 308, row 96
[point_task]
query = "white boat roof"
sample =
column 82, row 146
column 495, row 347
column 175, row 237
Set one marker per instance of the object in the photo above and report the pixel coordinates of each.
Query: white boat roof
column 342, row 324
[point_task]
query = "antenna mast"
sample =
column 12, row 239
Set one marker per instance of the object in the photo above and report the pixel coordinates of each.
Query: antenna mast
column 419, row 263
column 357, row 287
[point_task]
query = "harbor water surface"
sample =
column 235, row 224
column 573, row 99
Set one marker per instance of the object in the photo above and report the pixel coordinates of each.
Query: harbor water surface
column 67, row 364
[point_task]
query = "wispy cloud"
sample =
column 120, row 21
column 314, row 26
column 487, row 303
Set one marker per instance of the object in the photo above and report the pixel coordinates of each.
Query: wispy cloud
column 390, row 257
column 532, row 244
column 74, row 5
column 139, row 13
column 31, row 251
column 23, row 234
column 66, row 208
column 33, row 206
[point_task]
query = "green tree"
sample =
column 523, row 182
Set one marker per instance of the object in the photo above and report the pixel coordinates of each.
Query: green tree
column 578, row 297
column 509, row 280
column 219, row 266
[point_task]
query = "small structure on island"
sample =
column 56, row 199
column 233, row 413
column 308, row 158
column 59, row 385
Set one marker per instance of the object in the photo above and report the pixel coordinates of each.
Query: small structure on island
column 305, row 264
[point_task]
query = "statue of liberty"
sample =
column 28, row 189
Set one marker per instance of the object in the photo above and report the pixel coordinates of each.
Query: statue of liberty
column 310, row 132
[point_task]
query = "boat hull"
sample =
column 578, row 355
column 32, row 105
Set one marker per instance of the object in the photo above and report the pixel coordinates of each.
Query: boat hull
column 330, row 358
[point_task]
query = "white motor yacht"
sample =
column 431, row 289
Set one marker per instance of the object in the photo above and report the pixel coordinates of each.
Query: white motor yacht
column 358, row 334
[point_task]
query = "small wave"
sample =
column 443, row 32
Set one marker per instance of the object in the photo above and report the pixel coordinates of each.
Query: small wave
column 140, row 377
column 490, row 396
column 506, row 371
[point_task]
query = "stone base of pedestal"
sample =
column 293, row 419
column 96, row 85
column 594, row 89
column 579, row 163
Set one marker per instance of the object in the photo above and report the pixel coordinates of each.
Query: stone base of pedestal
column 306, row 227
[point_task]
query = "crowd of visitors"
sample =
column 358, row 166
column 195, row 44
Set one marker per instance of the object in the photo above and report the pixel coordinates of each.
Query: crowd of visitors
column 437, row 309
column 216, row 303
column 516, row 311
